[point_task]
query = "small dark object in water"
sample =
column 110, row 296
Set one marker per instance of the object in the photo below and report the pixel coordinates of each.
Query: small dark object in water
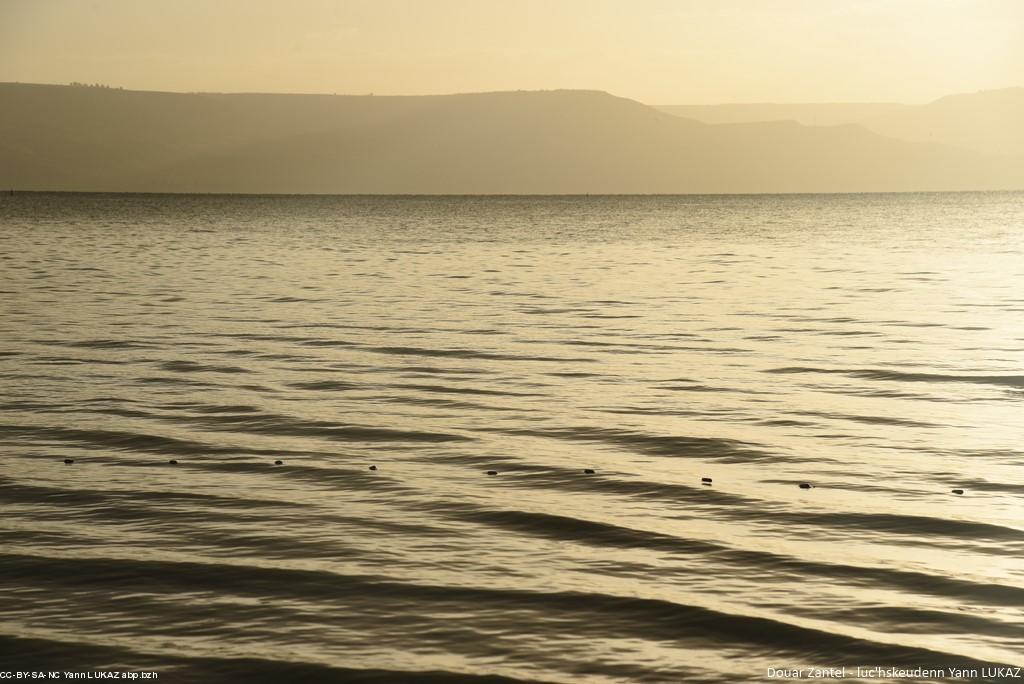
column 68, row 461
column 278, row 462
column 706, row 480
column 806, row 485
column 172, row 462
column 492, row 472
column 958, row 491
column 373, row 467
column 588, row 471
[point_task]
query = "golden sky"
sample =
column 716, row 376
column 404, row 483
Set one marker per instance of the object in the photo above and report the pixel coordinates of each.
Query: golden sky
column 655, row 51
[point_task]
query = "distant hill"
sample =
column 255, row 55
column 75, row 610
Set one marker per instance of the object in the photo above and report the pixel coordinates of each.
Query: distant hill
column 79, row 138
column 991, row 121
column 809, row 114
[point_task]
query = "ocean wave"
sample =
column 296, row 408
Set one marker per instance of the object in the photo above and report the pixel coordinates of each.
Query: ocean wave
column 682, row 446
column 899, row 376
column 589, row 614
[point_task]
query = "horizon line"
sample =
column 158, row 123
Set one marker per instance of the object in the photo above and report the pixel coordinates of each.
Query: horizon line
column 14, row 192
column 104, row 86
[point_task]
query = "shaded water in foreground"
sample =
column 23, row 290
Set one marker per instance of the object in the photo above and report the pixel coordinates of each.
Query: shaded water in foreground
column 871, row 345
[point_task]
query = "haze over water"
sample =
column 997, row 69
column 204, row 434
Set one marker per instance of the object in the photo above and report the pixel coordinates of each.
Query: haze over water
column 869, row 345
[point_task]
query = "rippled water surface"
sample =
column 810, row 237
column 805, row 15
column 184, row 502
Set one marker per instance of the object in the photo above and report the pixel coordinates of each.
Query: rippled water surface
column 869, row 345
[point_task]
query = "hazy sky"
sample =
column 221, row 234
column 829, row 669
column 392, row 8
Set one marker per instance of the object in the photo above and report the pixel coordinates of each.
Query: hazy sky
column 656, row 51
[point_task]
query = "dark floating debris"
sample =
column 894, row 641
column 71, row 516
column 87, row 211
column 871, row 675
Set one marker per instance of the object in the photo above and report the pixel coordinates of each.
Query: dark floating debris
column 278, row 462
column 706, row 480
column 68, row 461
column 172, row 462
column 958, row 491
column 373, row 467
column 588, row 471
column 806, row 485
column 492, row 472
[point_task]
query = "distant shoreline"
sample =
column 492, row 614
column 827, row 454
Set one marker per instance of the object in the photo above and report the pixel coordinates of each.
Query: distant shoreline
column 7, row 193
column 529, row 143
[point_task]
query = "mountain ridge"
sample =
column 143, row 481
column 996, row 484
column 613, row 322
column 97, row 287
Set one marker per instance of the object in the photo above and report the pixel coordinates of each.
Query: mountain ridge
column 985, row 121
column 503, row 142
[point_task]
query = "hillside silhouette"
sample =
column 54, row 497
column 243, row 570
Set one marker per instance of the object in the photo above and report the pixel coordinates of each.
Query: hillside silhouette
column 989, row 121
column 104, row 139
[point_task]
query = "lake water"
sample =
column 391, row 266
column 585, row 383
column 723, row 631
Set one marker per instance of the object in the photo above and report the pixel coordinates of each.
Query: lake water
column 871, row 346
